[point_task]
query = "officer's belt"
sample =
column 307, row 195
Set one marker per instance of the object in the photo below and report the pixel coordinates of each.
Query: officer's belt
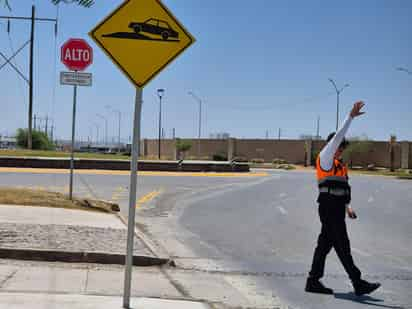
column 334, row 191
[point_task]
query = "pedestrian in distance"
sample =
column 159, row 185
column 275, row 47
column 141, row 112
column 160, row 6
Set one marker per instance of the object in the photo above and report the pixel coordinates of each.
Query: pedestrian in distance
column 334, row 202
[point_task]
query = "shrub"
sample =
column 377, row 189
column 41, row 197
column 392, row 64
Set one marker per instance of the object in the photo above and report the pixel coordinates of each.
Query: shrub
column 287, row 167
column 279, row 161
column 258, row 160
column 182, row 147
column 240, row 159
column 219, row 157
column 40, row 141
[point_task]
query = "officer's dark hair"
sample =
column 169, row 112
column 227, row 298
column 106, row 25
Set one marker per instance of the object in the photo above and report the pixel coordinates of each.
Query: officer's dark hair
column 343, row 144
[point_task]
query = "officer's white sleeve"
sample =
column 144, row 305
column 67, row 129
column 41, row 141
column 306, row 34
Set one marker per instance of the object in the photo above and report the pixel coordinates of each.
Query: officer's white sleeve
column 328, row 152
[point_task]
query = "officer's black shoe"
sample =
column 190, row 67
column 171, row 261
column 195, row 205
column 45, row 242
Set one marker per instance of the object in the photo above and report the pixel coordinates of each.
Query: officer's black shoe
column 364, row 287
column 315, row 286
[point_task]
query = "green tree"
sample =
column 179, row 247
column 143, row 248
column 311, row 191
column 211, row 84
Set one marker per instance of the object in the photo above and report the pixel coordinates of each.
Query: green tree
column 40, row 140
column 358, row 146
column 182, row 146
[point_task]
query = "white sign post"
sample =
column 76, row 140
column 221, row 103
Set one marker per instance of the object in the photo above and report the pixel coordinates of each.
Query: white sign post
column 76, row 55
column 155, row 53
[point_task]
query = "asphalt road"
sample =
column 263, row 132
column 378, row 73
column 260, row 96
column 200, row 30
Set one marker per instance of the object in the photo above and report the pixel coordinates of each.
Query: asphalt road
column 267, row 227
column 271, row 229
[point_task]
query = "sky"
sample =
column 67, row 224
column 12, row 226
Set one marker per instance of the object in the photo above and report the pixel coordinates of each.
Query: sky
column 256, row 65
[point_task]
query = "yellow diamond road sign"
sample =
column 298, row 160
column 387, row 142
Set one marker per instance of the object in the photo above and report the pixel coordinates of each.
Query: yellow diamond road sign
column 142, row 37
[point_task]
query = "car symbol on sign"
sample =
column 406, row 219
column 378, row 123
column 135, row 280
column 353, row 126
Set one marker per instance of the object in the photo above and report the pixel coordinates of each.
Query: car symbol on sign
column 156, row 27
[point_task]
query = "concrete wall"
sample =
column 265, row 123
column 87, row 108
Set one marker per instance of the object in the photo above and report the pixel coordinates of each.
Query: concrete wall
column 379, row 155
column 291, row 150
column 167, row 150
column 208, row 148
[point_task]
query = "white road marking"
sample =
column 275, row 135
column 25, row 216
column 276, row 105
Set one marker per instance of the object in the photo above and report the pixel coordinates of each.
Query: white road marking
column 360, row 252
column 370, row 199
column 282, row 195
column 282, row 210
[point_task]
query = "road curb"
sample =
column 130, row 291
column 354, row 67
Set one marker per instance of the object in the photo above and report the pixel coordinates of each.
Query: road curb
column 78, row 257
column 147, row 242
column 124, row 165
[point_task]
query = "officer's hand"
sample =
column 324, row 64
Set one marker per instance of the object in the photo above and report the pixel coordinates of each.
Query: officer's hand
column 356, row 109
column 351, row 213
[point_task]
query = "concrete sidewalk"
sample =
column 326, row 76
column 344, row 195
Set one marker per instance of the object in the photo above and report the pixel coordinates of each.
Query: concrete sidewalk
column 61, row 301
column 51, row 285
column 41, row 232
column 27, row 283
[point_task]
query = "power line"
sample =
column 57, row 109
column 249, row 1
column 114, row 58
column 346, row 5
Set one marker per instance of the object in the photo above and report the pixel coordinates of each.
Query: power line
column 21, row 91
column 33, row 19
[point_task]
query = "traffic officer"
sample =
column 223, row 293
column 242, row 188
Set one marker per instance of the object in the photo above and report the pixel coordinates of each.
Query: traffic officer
column 334, row 198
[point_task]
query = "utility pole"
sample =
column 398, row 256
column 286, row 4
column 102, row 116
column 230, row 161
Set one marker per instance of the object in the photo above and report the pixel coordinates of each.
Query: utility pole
column 35, row 128
column 30, row 138
column 317, row 129
column 30, row 81
column 174, row 133
column 280, row 130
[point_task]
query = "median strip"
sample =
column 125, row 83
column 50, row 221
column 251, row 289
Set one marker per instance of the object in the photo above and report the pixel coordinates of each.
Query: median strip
column 142, row 173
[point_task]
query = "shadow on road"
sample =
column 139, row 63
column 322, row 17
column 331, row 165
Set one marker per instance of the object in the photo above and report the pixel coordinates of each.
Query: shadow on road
column 367, row 300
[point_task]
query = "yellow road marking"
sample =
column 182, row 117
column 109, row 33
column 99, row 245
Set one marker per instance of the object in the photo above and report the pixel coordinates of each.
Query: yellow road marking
column 142, row 173
column 147, row 198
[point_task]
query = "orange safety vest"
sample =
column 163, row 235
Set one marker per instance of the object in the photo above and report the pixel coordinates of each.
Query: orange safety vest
column 333, row 184
column 338, row 170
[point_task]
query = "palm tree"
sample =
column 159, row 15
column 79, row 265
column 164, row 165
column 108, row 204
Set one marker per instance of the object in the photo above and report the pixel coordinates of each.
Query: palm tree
column 84, row 3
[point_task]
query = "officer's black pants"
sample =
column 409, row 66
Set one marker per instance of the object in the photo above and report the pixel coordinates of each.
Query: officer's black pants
column 333, row 234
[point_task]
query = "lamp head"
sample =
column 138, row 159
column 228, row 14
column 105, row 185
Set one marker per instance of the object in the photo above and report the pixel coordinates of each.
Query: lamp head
column 160, row 92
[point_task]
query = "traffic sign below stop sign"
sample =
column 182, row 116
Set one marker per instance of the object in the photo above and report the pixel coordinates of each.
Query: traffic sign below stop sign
column 76, row 54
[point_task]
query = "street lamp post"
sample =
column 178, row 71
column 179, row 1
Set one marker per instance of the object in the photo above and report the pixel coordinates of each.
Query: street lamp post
column 105, row 127
column 160, row 93
column 200, row 119
column 120, row 121
column 97, row 133
column 338, row 92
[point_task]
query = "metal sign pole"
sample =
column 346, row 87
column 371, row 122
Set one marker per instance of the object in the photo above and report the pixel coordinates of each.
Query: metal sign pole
column 73, row 135
column 132, row 198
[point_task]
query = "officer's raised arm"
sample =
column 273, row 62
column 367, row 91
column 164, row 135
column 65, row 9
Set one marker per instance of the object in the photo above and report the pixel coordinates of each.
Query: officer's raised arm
column 328, row 152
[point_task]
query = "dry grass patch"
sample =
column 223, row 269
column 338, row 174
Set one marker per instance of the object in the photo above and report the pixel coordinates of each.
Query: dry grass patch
column 28, row 197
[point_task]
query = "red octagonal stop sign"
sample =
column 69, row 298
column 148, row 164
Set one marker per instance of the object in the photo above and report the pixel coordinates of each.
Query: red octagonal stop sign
column 76, row 54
